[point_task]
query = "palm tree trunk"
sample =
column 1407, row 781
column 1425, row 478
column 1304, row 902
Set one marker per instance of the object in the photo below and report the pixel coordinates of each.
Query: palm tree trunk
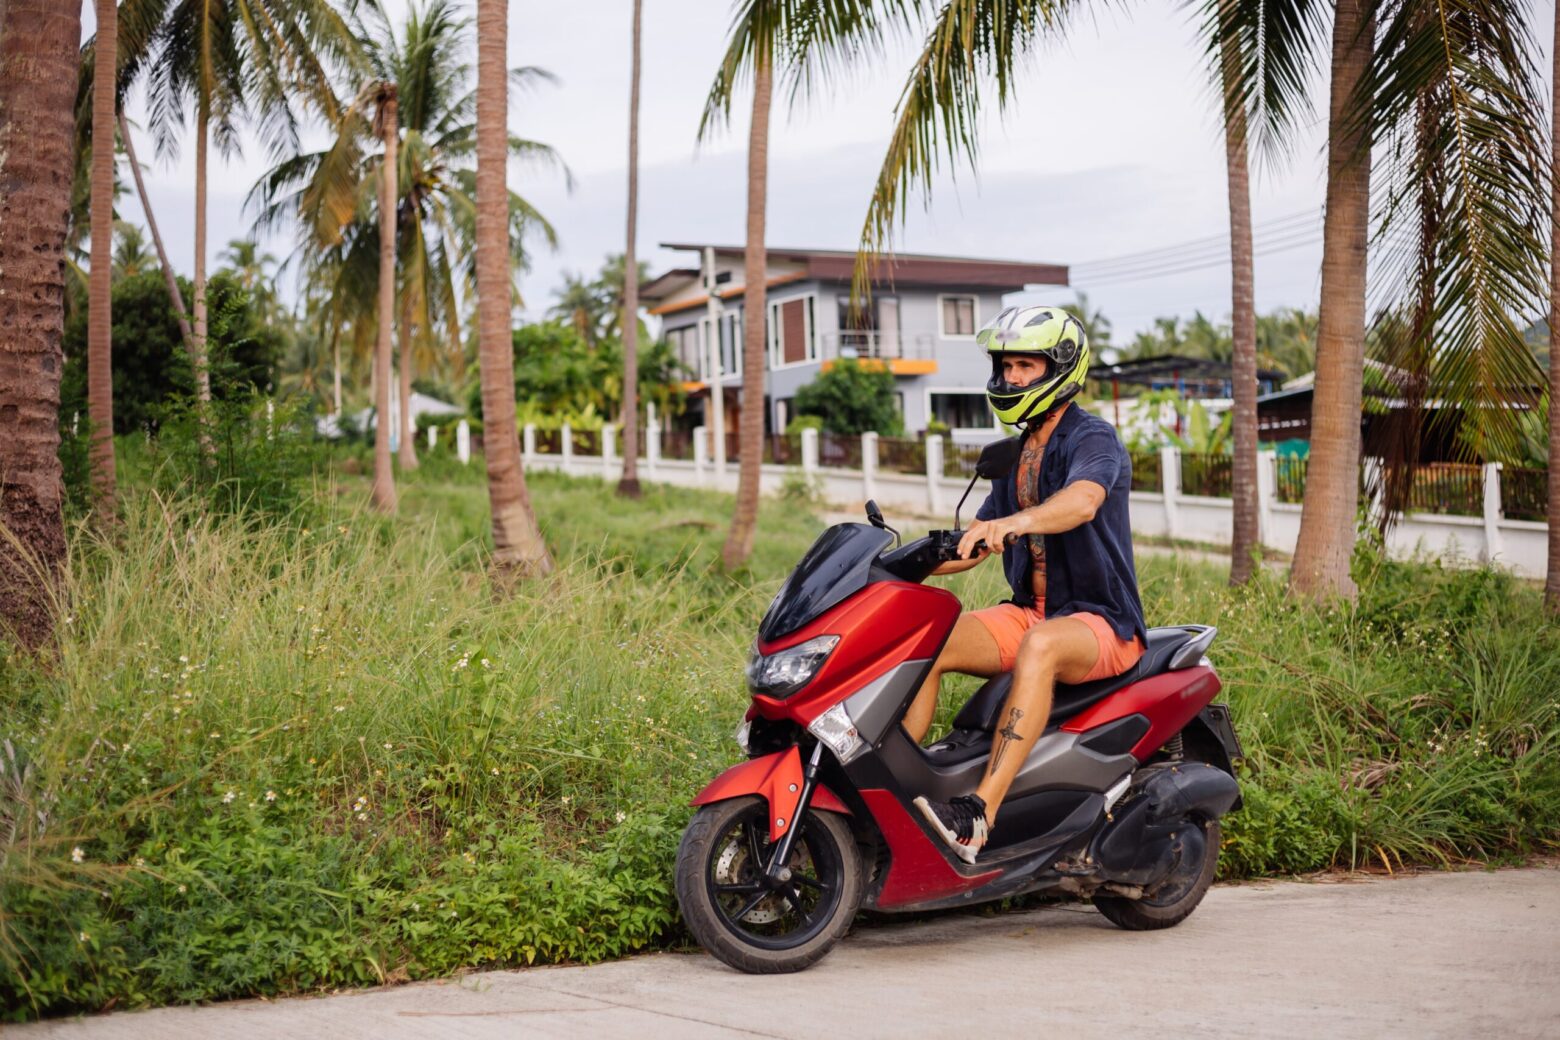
column 518, row 549
column 382, row 494
column 198, row 351
column 1552, row 583
column 335, row 372
column 172, row 281
column 1243, row 324
column 100, row 317
column 629, row 485
column 1327, row 518
column 38, row 41
column 739, row 542
column 407, row 455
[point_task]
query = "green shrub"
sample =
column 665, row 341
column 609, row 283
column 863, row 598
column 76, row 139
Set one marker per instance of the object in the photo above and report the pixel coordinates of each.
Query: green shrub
column 303, row 755
column 852, row 397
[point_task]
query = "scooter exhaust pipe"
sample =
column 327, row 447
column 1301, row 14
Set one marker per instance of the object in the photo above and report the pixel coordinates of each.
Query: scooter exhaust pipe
column 1139, row 845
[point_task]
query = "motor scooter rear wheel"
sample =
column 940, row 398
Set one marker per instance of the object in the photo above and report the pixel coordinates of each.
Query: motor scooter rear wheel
column 1172, row 900
column 758, row 926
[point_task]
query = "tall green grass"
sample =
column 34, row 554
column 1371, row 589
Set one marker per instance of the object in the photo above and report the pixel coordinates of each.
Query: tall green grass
column 316, row 751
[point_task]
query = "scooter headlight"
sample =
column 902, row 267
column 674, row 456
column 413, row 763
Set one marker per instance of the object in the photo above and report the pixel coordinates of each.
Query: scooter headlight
column 782, row 673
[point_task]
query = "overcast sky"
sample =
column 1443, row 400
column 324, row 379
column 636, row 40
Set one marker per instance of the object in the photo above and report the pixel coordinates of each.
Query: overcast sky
column 1112, row 147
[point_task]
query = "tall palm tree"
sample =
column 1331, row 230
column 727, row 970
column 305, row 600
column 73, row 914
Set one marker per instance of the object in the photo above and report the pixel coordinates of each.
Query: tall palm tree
column 131, row 252
column 252, row 268
column 804, row 39
column 38, row 60
column 233, row 61
column 628, row 486
column 518, row 549
column 100, row 318
column 175, row 296
column 1245, row 537
column 1552, row 582
column 386, row 124
column 329, row 194
column 1450, row 99
column 1461, row 68
column 1321, row 563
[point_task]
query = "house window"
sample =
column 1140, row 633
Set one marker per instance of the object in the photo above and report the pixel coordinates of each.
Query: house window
column 685, row 347
column 791, row 333
column 731, row 342
column 958, row 315
column 961, row 410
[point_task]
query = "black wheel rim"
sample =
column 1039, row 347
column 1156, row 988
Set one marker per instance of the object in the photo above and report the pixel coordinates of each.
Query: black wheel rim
column 774, row 915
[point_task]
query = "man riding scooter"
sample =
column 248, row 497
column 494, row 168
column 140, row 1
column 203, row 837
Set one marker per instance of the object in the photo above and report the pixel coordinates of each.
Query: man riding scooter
column 1061, row 518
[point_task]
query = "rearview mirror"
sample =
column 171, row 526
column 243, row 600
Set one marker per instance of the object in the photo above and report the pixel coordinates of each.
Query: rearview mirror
column 998, row 458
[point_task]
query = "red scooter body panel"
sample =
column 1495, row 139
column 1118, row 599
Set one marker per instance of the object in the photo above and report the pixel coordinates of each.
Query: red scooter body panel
column 1169, row 701
column 777, row 779
column 881, row 627
column 917, row 871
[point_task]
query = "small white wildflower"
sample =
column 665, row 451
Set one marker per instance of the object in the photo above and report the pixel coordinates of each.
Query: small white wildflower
column 486, row 663
column 183, row 659
column 228, row 797
column 495, row 770
column 565, row 799
column 388, row 745
column 341, row 707
column 139, row 862
column 183, row 888
column 76, row 855
column 83, row 936
column 270, row 796
column 620, row 817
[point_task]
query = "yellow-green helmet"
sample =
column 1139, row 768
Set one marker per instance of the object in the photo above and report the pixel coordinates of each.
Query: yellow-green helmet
column 1050, row 331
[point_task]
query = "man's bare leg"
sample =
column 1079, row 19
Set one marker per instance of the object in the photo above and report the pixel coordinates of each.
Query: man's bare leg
column 970, row 649
column 1062, row 648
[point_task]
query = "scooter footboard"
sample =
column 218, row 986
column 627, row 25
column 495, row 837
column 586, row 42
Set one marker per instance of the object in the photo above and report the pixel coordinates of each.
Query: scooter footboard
column 776, row 778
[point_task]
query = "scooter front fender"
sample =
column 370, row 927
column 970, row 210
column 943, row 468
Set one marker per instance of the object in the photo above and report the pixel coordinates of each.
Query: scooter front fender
column 776, row 778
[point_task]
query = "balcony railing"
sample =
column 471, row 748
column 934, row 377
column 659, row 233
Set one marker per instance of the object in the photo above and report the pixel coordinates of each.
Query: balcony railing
column 876, row 345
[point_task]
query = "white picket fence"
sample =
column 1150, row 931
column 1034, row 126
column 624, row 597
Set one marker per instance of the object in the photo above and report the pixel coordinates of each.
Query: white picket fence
column 1518, row 545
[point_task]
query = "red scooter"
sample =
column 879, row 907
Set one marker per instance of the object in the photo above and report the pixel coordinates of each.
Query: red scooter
column 1119, row 801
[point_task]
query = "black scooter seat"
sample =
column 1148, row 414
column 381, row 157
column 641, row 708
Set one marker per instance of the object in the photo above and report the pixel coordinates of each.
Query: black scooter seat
column 977, row 720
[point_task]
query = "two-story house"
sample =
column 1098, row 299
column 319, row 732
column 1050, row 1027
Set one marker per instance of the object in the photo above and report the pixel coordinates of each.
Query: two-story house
column 920, row 324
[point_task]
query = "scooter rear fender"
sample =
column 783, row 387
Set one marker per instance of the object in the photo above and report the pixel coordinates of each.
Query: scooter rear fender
column 776, row 778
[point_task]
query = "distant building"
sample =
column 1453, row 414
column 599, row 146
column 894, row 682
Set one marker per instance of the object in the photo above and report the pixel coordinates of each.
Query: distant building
column 1120, row 383
column 920, row 325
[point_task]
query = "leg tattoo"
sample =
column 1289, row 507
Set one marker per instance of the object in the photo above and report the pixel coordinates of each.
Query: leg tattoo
column 1009, row 733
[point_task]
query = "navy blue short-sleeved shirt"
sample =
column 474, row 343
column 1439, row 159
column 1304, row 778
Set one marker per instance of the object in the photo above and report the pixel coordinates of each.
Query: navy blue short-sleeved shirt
column 1090, row 568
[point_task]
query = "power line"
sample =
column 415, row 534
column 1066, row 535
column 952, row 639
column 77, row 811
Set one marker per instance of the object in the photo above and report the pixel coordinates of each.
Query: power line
column 1194, row 249
column 1209, row 253
column 1220, row 261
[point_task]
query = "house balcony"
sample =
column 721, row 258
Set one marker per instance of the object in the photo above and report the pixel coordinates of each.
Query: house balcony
column 903, row 354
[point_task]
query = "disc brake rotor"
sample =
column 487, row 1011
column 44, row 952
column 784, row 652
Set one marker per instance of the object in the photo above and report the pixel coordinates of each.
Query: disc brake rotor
column 729, row 871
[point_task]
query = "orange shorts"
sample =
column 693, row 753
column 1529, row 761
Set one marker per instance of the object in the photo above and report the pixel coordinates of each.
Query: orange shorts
column 1007, row 623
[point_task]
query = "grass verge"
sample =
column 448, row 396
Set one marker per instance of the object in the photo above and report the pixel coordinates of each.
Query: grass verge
column 315, row 752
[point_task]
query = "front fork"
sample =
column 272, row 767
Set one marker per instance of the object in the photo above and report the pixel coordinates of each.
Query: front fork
column 776, row 869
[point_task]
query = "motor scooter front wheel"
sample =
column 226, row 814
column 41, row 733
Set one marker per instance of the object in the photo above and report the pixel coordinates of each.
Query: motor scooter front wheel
column 749, row 921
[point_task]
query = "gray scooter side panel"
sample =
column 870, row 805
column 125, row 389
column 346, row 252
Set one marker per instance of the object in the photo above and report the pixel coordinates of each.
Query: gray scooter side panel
column 1058, row 760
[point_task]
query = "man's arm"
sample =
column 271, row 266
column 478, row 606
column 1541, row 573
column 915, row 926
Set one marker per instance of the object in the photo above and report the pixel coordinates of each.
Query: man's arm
column 1070, row 507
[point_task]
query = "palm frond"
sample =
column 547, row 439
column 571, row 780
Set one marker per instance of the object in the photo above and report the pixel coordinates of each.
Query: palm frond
column 1276, row 47
column 969, row 43
column 1455, row 85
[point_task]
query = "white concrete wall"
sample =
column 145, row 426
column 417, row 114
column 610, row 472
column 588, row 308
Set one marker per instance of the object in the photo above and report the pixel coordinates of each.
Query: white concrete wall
column 1519, row 545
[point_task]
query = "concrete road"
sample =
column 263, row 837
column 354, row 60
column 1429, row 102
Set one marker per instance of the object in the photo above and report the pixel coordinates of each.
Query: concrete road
column 1453, row 955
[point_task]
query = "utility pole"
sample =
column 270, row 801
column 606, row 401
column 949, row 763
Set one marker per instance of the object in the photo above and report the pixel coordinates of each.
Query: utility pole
column 717, row 414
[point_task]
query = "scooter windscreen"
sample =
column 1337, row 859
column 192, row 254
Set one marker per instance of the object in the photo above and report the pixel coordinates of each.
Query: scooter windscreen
column 837, row 566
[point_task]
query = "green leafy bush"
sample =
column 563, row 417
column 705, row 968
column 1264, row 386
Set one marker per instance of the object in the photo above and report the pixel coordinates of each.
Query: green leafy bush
column 284, row 757
column 852, row 397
